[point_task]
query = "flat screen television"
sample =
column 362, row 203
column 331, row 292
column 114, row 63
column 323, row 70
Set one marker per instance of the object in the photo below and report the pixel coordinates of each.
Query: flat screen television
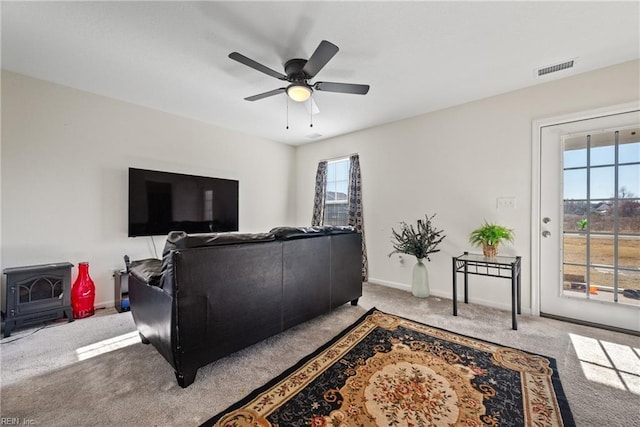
column 160, row 202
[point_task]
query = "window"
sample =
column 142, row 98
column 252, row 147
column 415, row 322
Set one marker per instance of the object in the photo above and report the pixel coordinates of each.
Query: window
column 337, row 194
column 337, row 198
column 601, row 238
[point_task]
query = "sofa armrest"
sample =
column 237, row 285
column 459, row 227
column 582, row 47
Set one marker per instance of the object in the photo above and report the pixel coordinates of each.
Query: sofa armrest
column 147, row 271
column 152, row 310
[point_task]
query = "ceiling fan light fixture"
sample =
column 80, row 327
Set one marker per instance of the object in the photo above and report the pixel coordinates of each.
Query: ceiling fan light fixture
column 298, row 92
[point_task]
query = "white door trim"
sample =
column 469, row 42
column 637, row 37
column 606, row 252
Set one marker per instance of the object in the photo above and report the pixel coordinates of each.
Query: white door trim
column 536, row 138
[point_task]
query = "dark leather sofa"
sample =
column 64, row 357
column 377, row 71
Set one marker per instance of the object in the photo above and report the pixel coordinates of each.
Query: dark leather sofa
column 214, row 294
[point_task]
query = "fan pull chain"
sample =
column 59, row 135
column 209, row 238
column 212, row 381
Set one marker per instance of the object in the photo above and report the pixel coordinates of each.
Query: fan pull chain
column 311, row 111
column 287, row 99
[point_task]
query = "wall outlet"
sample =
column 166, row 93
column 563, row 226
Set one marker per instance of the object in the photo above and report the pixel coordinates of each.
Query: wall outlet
column 506, row 202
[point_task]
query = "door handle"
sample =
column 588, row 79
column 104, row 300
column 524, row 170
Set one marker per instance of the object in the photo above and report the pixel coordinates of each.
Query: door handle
column 546, row 233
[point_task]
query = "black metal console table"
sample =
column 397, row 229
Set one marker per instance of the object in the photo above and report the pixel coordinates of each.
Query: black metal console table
column 500, row 266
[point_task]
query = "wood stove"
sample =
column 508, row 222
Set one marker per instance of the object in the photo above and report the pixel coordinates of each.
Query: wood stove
column 37, row 293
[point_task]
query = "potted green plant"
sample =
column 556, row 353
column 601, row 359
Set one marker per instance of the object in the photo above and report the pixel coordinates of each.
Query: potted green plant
column 419, row 241
column 489, row 236
column 582, row 224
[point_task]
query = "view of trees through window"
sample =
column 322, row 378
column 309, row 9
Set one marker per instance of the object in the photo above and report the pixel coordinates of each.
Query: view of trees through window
column 336, row 200
column 601, row 228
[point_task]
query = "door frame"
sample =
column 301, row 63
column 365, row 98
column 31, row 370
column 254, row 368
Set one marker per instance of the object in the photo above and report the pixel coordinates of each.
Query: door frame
column 536, row 217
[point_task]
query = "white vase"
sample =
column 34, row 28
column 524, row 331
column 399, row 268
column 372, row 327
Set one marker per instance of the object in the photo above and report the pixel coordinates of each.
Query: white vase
column 420, row 281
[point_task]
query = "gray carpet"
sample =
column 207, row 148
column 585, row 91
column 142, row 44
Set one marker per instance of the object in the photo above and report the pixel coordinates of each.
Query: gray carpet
column 44, row 382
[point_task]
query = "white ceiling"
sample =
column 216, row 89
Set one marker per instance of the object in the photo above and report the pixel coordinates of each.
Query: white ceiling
column 417, row 56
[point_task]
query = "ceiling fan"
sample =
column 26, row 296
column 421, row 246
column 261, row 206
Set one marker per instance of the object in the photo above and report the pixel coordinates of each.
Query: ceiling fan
column 299, row 72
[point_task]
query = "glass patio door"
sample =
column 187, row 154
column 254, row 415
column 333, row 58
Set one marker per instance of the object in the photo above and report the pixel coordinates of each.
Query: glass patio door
column 590, row 206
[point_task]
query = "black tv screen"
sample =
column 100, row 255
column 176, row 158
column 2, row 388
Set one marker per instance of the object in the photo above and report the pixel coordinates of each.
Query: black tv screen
column 160, row 202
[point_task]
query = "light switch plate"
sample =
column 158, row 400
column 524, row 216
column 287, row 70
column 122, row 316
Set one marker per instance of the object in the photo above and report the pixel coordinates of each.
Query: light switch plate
column 506, row 202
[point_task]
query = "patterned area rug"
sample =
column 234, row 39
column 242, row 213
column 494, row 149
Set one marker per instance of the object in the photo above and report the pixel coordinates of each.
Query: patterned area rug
column 385, row 370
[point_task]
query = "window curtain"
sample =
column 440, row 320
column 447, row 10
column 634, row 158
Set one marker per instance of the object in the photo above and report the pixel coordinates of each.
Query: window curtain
column 355, row 208
column 319, row 198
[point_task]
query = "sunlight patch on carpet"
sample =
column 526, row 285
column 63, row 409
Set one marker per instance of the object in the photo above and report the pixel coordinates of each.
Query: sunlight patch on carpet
column 105, row 346
column 608, row 363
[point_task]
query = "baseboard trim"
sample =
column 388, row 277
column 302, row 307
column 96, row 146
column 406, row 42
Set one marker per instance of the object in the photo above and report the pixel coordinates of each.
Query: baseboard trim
column 389, row 284
column 107, row 304
column 448, row 295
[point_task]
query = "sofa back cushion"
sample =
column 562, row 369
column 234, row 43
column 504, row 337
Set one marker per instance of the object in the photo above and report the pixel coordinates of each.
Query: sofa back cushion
column 182, row 240
column 229, row 296
column 290, row 233
column 179, row 240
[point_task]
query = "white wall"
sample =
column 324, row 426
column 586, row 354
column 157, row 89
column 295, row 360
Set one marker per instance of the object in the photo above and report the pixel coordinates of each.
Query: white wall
column 65, row 154
column 455, row 163
column 65, row 157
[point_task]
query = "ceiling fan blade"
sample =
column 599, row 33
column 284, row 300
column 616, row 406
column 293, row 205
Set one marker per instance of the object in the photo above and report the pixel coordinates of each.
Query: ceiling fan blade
column 323, row 54
column 342, row 88
column 256, row 65
column 265, row 94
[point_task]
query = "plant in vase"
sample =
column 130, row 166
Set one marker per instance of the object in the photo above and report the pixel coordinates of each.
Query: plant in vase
column 489, row 236
column 419, row 241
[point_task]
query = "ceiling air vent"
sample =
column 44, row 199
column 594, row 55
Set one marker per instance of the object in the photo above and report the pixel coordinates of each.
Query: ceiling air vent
column 314, row 135
column 555, row 68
